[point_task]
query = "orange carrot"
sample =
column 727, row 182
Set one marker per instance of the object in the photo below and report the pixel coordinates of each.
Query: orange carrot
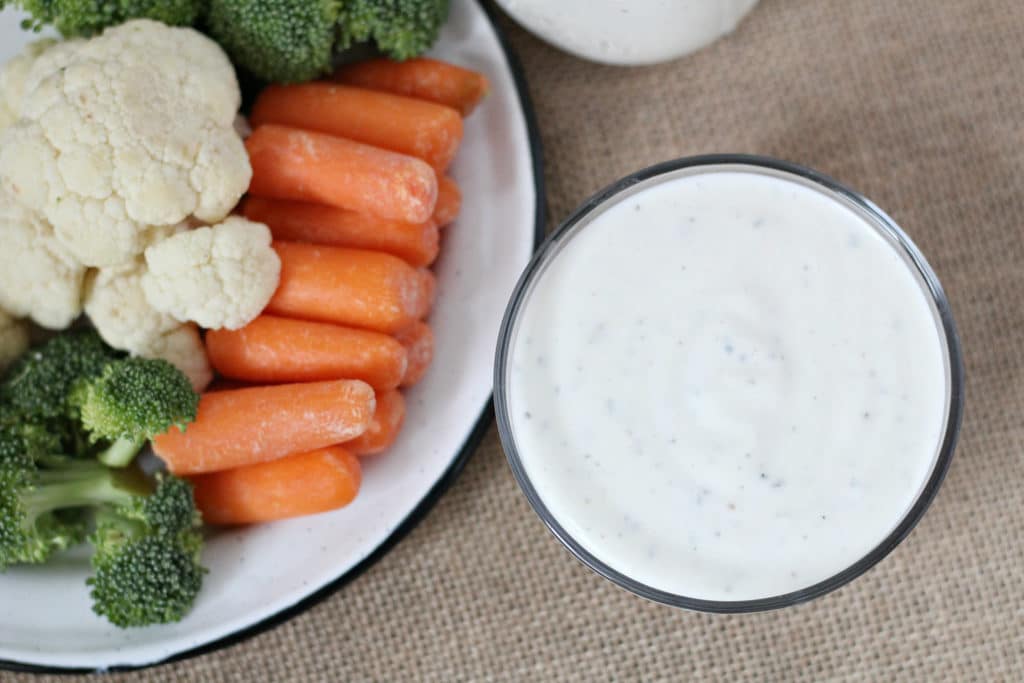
column 302, row 484
column 417, row 243
column 407, row 125
column 383, row 430
column 354, row 287
column 449, row 201
column 418, row 340
column 272, row 350
column 425, row 78
column 247, row 426
column 288, row 163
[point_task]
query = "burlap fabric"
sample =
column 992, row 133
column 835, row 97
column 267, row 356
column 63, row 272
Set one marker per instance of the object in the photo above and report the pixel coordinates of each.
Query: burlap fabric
column 920, row 105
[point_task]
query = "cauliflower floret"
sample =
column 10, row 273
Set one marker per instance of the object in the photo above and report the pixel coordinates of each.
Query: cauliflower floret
column 221, row 276
column 39, row 278
column 13, row 338
column 125, row 131
column 14, row 75
column 117, row 307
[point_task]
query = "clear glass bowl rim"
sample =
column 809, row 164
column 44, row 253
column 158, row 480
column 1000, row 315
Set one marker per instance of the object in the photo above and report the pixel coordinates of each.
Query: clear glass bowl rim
column 549, row 248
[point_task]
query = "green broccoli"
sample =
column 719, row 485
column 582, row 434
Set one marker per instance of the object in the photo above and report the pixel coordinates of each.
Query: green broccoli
column 276, row 40
column 75, row 18
column 147, row 558
column 40, row 384
column 147, row 542
column 134, row 400
column 401, row 28
column 43, row 510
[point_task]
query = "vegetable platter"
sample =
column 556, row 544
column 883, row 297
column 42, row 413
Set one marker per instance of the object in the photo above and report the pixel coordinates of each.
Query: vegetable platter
column 237, row 284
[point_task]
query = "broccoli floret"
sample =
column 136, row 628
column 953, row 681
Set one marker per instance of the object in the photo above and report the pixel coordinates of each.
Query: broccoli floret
column 133, row 401
column 147, row 542
column 45, row 510
column 401, row 28
column 40, row 384
column 276, row 40
column 147, row 558
column 74, row 18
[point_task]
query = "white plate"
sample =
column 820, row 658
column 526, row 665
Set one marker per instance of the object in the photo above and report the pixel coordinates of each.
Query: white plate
column 262, row 575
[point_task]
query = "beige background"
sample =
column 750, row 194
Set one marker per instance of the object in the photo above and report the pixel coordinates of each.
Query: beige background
column 920, row 105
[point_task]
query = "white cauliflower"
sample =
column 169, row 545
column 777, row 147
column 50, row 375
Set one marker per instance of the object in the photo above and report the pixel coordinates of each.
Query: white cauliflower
column 39, row 278
column 13, row 338
column 117, row 307
column 14, row 75
column 123, row 132
column 220, row 276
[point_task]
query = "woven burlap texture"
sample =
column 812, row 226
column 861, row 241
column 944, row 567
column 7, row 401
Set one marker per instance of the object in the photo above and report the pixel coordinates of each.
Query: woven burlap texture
column 920, row 105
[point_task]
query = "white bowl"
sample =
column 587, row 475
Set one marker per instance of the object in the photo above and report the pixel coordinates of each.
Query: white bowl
column 629, row 32
column 260, row 575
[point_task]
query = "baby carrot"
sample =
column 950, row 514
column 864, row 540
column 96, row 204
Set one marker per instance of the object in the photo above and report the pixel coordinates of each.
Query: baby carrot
column 384, row 427
column 425, row 78
column 416, row 243
column 353, row 287
column 288, row 163
column 273, row 350
column 418, row 340
column 302, row 484
column 246, row 426
column 449, row 201
column 407, row 125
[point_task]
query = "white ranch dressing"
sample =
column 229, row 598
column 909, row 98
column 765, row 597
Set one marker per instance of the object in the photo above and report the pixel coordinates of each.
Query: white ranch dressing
column 728, row 386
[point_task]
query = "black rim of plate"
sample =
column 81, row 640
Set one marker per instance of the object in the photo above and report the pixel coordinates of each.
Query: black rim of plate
column 607, row 197
column 440, row 487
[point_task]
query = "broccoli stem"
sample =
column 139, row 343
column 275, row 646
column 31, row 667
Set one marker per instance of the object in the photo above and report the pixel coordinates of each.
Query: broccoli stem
column 81, row 485
column 121, row 452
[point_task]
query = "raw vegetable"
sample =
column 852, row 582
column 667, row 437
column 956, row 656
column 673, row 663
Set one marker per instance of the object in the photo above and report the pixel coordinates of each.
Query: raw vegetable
column 449, row 201
column 39, row 385
column 406, row 125
column 74, row 18
column 400, row 28
column 39, row 277
column 416, row 243
column 354, row 287
column 13, row 339
column 146, row 540
column 302, row 484
column 31, row 526
column 133, row 401
column 247, row 426
column 117, row 306
column 276, row 40
column 146, row 557
column 13, row 77
column 274, row 350
column 129, row 130
column 418, row 340
column 220, row 276
column 288, row 163
column 385, row 426
column 425, row 78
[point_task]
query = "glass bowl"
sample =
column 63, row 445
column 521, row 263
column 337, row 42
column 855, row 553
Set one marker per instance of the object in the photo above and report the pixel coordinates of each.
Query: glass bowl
column 667, row 171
